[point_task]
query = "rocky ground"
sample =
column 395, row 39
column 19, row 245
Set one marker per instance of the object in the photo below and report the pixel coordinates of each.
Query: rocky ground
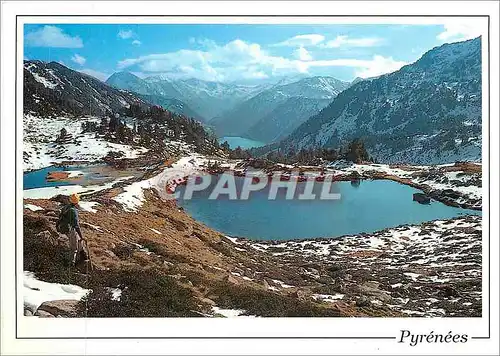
column 151, row 259
column 432, row 269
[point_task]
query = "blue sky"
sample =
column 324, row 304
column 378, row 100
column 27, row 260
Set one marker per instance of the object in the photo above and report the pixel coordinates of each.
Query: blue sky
column 241, row 53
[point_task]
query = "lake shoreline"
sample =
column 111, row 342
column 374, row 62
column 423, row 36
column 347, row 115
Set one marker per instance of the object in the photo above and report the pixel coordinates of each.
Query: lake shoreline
column 426, row 187
column 242, row 142
column 129, row 225
column 239, row 168
column 329, row 274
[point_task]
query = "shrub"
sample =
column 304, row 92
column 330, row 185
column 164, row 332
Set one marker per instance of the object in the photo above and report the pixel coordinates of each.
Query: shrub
column 52, row 263
column 145, row 293
column 45, row 253
column 221, row 247
column 163, row 251
column 326, row 289
column 123, row 252
column 268, row 304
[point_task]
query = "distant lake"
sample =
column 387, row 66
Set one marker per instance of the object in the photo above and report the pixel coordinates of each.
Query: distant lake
column 371, row 206
column 38, row 178
column 84, row 175
column 245, row 143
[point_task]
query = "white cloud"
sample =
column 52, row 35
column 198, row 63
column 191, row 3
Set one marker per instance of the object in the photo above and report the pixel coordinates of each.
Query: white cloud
column 125, row 34
column 376, row 66
column 234, row 60
column 339, row 41
column 78, row 59
column 241, row 60
column 224, row 58
column 345, row 41
column 136, row 42
column 302, row 40
column 52, row 36
column 460, row 31
column 302, row 54
column 96, row 74
column 379, row 65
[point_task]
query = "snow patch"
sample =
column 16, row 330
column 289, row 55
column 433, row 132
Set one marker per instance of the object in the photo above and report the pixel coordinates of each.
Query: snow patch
column 133, row 197
column 229, row 313
column 116, row 293
column 36, row 292
column 74, row 174
column 88, row 206
column 32, row 207
column 327, row 297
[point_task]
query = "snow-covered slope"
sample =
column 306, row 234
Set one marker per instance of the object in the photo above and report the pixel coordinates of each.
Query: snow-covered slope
column 131, row 82
column 156, row 91
column 67, row 118
column 240, row 120
column 41, row 150
column 213, row 98
column 314, row 88
column 149, row 86
column 427, row 112
column 208, row 99
column 51, row 89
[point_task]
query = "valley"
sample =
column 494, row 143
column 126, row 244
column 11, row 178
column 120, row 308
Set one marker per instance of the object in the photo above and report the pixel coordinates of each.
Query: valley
column 127, row 145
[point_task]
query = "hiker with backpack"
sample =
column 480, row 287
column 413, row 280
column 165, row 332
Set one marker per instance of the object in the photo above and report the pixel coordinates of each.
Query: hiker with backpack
column 69, row 225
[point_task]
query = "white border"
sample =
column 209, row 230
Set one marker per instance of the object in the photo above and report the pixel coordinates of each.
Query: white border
column 236, row 327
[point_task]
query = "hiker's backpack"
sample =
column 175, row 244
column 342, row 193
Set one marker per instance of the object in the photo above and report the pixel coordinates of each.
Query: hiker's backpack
column 64, row 220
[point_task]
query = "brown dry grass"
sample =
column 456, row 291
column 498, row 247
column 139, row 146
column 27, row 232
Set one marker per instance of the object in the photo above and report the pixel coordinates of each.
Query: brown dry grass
column 201, row 260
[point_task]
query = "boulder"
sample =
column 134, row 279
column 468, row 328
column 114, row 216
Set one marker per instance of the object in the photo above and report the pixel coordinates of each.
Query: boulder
column 314, row 271
column 371, row 284
column 363, row 302
column 447, row 291
column 232, row 280
column 51, row 238
column 27, row 312
column 371, row 288
column 63, row 307
column 421, row 198
column 44, row 314
column 299, row 294
column 451, row 193
column 208, row 301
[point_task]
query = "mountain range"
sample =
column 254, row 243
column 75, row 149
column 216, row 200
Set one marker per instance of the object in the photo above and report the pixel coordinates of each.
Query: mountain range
column 207, row 99
column 275, row 112
column 265, row 112
column 51, row 89
column 426, row 112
